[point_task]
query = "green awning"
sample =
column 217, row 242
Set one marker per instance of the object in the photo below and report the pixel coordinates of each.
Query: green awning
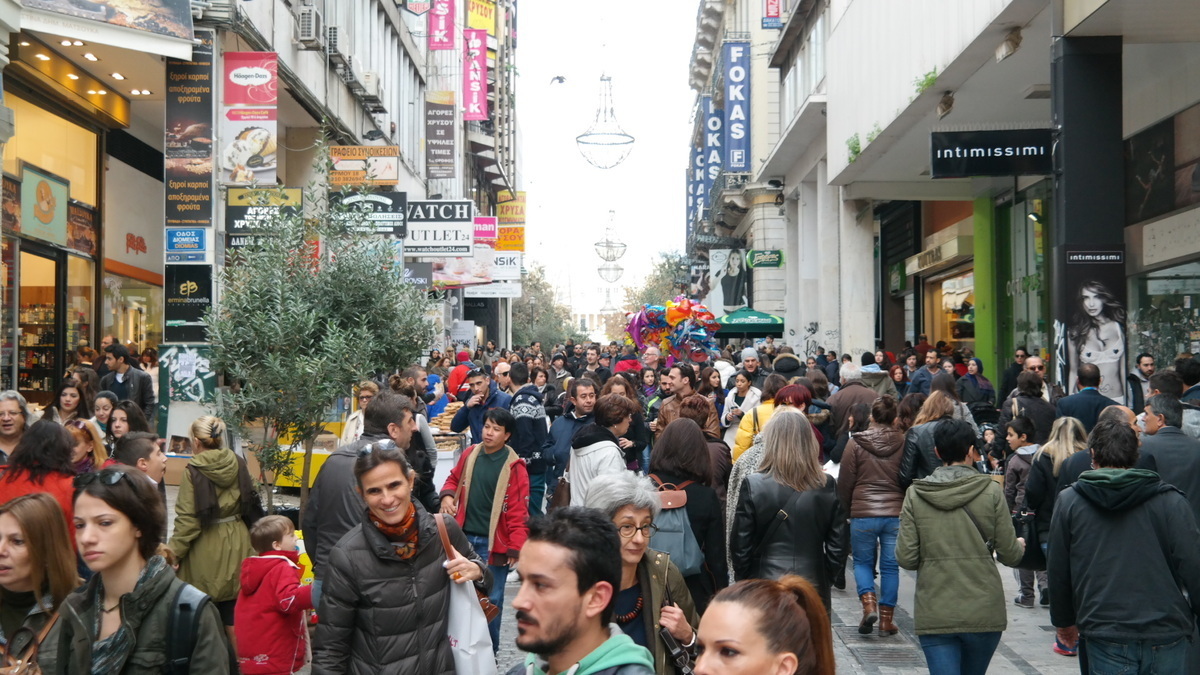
column 749, row 322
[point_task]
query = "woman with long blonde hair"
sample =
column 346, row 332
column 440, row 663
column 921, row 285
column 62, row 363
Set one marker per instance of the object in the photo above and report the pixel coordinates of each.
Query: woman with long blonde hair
column 919, row 457
column 811, row 541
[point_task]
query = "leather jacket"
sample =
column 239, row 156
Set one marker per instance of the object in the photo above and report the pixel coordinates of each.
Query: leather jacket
column 869, row 480
column 919, row 458
column 811, row 541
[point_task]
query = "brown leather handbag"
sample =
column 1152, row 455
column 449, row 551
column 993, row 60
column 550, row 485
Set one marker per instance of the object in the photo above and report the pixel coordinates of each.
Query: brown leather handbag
column 490, row 610
column 25, row 664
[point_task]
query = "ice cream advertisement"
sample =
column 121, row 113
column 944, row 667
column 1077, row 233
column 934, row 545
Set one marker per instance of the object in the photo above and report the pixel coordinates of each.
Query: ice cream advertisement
column 249, row 129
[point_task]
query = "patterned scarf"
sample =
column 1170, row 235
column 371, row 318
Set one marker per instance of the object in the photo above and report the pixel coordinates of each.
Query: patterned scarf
column 402, row 535
column 112, row 650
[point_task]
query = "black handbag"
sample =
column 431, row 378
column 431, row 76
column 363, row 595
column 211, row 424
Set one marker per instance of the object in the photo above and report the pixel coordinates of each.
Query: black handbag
column 1025, row 525
column 676, row 652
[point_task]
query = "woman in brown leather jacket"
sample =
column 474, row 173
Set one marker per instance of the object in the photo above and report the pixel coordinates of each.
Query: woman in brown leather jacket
column 869, row 487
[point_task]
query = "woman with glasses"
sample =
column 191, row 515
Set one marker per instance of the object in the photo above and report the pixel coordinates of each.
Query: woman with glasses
column 653, row 592
column 118, row 622
column 68, row 403
column 386, row 588
column 42, row 463
column 210, row 539
column 352, row 431
column 14, row 419
column 36, row 570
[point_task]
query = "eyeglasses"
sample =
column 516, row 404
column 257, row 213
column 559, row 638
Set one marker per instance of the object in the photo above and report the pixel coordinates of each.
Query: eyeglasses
column 1037, row 367
column 106, row 477
column 1021, row 356
column 366, row 397
column 6, row 414
column 78, row 424
column 628, row 530
column 377, row 445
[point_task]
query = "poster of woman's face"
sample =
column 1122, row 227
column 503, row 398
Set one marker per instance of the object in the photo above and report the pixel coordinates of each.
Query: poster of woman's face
column 729, row 281
column 1094, row 329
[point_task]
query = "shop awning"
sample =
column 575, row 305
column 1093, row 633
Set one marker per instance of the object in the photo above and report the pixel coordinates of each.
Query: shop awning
column 749, row 323
column 165, row 29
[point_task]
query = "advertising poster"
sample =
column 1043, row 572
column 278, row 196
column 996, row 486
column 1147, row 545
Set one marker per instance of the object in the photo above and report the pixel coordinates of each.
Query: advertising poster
column 737, row 105
column 44, row 199
column 439, row 134
column 375, row 165
column 372, row 212
column 728, row 285
column 167, row 18
column 1162, row 167
column 474, row 269
column 1089, row 316
column 481, row 15
column 510, row 213
column 10, row 216
column 187, row 295
column 81, row 228
column 441, row 25
column 249, row 132
column 475, row 104
column 440, row 229
column 188, row 142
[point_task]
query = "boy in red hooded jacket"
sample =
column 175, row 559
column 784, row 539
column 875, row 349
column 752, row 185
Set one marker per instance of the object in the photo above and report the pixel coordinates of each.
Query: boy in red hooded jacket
column 269, row 616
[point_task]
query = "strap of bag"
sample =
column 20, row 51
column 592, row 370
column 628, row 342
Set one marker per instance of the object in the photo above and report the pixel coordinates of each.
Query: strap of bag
column 780, row 516
column 441, row 526
column 30, row 656
column 990, row 543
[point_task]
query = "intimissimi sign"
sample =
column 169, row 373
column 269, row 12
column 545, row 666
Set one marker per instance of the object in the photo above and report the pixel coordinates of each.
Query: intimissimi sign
column 1016, row 152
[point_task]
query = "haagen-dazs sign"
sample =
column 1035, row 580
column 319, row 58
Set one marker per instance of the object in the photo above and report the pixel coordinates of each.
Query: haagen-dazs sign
column 1016, row 152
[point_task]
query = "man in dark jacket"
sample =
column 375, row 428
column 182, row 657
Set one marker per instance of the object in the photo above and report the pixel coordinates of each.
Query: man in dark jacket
column 334, row 504
column 1137, row 382
column 557, row 449
column 530, row 435
column 1167, row 451
column 1189, row 370
column 1074, row 466
column 485, row 395
column 853, row 391
column 1086, row 404
column 1131, row 613
column 128, row 381
column 922, row 380
column 592, row 365
column 1008, row 381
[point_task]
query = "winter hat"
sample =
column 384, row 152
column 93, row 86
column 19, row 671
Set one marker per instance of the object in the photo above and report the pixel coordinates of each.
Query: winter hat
column 558, row 357
column 463, row 356
column 787, row 365
column 749, row 353
column 868, row 359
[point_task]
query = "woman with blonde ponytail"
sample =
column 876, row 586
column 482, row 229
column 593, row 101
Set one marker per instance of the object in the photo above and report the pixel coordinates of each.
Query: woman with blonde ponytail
column 766, row 627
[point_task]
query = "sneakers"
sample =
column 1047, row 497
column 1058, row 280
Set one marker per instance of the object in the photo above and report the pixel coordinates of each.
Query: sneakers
column 1044, row 601
column 1023, row 602
column 1060, row 648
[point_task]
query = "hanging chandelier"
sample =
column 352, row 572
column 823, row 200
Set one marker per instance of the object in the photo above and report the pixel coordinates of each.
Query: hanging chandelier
column 605, row 144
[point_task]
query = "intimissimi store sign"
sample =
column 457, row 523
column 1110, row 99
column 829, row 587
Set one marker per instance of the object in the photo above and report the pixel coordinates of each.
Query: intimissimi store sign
column 1016, row 152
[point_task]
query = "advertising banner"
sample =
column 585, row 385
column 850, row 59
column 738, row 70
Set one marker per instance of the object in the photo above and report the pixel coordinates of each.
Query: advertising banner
column 494, row 290
column 439, row 134
column 375, row 165
column 714, row 124
column 44, row 199
column 187, row 295
column 1089, row 316
column 737, row 105
column 384, row 212
column 1014, row 152
column 506, row 266
column 475, row 103
column 440, row 229
column 188, row 142
column 82, row 233
column 161, row 27
column 187, row 244
column 250, row 212
column 728, row 285
column 757, row 258
column 481, row 15
column 249, row 132
column 696, row 184
column 419, row 274
column 772, row 14
column 441, row 25
column 510, row 211
column 473, row 269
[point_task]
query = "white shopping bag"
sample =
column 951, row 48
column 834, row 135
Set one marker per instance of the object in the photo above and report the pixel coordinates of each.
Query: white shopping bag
column 467, row 630
column 832, row 468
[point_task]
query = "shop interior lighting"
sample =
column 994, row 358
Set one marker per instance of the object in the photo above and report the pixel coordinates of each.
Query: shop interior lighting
column 135, row 92
column 118, row 76
column 72, row 76
column 90, row 57
column 24, row 44
column 42, row 57
column 146, row 92
column 71, row 43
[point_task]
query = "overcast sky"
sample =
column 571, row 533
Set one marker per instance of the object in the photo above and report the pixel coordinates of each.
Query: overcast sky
column 646, row 48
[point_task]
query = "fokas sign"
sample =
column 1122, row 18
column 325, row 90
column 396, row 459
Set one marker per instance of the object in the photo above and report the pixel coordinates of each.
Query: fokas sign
column 1017, row 152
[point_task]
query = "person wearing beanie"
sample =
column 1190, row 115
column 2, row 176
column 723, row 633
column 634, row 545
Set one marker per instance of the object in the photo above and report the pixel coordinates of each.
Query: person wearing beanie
column 753, row 367
column 868, row 363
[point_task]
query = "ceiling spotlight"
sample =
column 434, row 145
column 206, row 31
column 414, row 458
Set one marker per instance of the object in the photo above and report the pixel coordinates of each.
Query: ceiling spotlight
column 72, row 76
column 90, row 57
column 43, row 57
column 91, row 92
column 24, row 44
column 65, row 43
column 135, row 92
column 146, row 92
column 77, row 43
column 118, row 76
column 102, row 92
column 1012, row 42
column 945, row 105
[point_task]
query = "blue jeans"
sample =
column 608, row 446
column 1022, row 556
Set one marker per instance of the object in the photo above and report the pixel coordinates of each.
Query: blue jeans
column 959, row 653
column 867, row 535
column 1136, row 657
column 537, row 492
column 499, row 576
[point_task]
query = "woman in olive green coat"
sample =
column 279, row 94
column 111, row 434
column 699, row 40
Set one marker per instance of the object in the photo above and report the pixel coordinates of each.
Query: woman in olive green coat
column 210, row 540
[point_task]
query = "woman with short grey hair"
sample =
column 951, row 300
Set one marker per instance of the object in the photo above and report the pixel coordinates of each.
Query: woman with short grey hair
column 14, row 420
column 648, row 578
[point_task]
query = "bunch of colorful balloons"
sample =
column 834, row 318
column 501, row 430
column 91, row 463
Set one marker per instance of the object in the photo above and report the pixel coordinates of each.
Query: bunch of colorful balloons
column 682, row 328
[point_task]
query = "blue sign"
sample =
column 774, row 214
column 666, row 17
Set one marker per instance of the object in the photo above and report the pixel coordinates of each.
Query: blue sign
column 186, row 244
column 737, row 105
column 713, row 142
column 696, row 183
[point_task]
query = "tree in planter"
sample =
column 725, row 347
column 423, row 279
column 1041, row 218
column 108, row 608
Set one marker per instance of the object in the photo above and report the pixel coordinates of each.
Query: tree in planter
column 304, row 312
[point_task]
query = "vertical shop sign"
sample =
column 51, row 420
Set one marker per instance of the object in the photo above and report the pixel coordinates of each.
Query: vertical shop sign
column 1089, row 316
column 10, row 215
column 187, row 295
column 249, row 133
column 188, row 144
column 713, row 142
column 475, row 106
column 772, row 14
column 737, row 105
column 439, row 134
column 441, row 25
column 510, row 213
column 696, row 184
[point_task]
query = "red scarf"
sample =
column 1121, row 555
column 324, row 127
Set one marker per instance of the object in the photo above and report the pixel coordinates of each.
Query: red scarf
column 402, row 535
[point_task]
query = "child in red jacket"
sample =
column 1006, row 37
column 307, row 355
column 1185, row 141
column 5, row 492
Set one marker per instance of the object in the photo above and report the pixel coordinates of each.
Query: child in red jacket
column 269, row 616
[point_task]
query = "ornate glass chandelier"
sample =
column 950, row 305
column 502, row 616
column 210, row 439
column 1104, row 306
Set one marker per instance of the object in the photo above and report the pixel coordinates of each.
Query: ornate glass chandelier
column 605, row 144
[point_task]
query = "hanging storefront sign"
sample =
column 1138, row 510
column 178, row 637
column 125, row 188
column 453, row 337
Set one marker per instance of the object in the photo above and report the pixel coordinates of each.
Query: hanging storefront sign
column 187, row 244
column 510, row 212
column 371, row 212
column 187, row 295
column 163, row 27
column 713, row 137
column 441, row 25
column 44, row 199
column 82, row 233
column 439, row 134
column 1015, row 152
column 707, row 241
column 419, row 274
column 374, row 165
column 757, row 258
column 250, row 211
column 417, row 7
column 506, row 266
column 475, row 104
column 188, row 143
column 481, row 15
column 1089, row 316
column 737, row 105
column 699, row 198
column 249, row 131
column 494, row 290
column 440, row 229
column 772, row 14
column 475, row 268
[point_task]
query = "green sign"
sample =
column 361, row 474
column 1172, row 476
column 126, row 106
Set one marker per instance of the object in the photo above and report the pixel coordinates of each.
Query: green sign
column 771, row 258
column 897, row 279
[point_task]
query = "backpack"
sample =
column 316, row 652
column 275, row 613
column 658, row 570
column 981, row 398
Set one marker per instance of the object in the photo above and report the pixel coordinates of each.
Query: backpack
column 675, row 534
column 182, row 631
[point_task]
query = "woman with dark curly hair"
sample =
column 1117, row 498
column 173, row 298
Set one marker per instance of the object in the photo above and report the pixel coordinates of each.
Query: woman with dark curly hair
column 1096, row 336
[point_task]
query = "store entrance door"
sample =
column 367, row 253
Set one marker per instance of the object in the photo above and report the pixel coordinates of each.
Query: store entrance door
column 39, row 347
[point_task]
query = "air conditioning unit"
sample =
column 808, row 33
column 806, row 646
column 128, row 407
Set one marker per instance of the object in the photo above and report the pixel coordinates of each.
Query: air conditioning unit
column 333, row 46
column 308, row 28
column 350, row 77
column 374, row 93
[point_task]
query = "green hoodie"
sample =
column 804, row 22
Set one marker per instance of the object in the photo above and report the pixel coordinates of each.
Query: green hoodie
column 958, row 586
column 1119, row 489
column 618, row 650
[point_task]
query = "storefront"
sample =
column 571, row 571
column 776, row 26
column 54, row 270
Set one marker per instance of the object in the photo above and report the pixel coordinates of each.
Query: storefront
column 946, row 270
column 1023, row 272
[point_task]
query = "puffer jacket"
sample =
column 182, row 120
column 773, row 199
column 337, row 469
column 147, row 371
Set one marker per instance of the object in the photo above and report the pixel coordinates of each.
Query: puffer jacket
column 145, row 612
column 594, row 452
column 271, row 636
column 869, row 480
column 811, row 541
column 919, row 459
column 958, row 585
column 382, row 615
column 210, row 558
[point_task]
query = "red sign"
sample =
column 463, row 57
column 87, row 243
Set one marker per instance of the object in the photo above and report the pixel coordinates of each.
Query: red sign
column 134, row 244
column 475, row 104
column 251, row 79
column 441, row 25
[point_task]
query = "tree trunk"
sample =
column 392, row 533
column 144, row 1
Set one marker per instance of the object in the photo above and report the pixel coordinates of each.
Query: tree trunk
column 308, row 451
column 267, row 476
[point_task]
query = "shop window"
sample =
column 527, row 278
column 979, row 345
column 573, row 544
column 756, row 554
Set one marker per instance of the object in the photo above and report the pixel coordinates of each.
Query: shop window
column 37, row 339
column 81, row 295
column 132, row 311
column 55, row 145
column 950, row 307
column 1165, row 316
column 8, row 311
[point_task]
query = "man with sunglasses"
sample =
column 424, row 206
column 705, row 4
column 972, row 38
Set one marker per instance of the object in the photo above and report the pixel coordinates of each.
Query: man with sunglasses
column 1008, row 381
column 484, row 395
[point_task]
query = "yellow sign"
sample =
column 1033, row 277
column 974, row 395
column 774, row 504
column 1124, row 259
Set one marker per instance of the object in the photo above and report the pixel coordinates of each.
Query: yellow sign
column 481, row 15
column 510, row 231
